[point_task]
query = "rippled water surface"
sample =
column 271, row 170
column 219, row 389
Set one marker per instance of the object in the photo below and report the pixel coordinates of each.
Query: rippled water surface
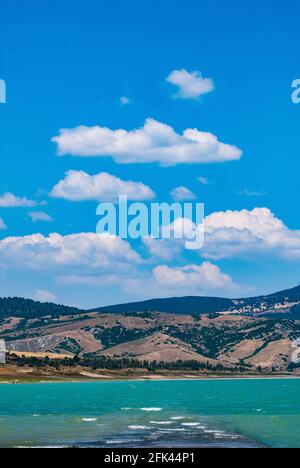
column 152, row 414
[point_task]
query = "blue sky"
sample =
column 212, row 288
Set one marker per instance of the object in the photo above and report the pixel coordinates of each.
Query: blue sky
column 69, row 66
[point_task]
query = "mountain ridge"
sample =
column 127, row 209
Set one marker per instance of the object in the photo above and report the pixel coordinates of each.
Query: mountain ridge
column 186, row 305
column 204, row 304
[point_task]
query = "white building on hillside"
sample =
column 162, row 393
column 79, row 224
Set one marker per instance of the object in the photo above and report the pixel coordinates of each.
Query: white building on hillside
column 3, row 352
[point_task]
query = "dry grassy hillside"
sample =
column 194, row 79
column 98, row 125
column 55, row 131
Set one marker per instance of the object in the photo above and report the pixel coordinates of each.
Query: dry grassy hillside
column 230, row 340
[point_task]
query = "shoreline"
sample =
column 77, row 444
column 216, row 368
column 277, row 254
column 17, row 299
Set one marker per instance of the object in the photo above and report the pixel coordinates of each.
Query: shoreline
column 14, row 374
column 44, row 379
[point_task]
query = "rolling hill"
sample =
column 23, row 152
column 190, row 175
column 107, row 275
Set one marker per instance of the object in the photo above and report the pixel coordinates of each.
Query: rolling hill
column 27, row 308
column 252, row 332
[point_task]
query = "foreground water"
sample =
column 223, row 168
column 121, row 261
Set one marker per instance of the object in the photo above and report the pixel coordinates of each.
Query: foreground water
column 233, row 413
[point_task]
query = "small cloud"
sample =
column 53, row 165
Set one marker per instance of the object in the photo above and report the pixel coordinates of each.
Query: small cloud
column 80, row 186
column 124, row 100
column 204, row 181
column 182, row 194
column 9, row 200
column 2, row 225
column 205, row 275
column 251, row 193
column 192, row 85
column 44, row 296
column 39, row 216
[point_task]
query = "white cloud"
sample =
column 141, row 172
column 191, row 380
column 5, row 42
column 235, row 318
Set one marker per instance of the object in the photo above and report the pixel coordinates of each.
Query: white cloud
column 204, row 276
column 182, row 194
column 260, row 221
column 124, row 100
column 246, row 233
column 84, row 252
column 9, row 200
column 173, row 242
column 251, row 193
column 163, row 249
column 192, row 85
column 44, row 296
column 39, row 216
column 155, row 142
column 204, row 181
column 80, row 186
column 2, row 225
column 161, row 281
column 235, row 234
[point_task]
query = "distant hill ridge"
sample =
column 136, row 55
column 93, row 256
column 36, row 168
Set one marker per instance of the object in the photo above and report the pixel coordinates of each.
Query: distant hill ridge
column 27, row 308
column 201, row 304
column 176, row 305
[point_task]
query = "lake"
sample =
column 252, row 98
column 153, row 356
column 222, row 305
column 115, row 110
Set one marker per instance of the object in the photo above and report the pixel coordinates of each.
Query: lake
column 203, row 413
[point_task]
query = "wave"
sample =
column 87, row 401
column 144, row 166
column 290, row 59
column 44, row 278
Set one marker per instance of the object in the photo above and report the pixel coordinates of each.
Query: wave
column 122, row 441
column 139, row 428
column 191, row 424
column 172, row 430
column 161, row 423
column 151, row 409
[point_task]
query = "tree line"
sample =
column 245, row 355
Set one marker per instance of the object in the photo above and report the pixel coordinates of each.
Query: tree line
column 106, row 363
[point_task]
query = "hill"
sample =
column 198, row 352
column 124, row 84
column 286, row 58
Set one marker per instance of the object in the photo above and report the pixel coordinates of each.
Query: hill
column 176, row 305
column 227, row 340
column 27, row 308
column 281, row 300
column 276, row 302
column 251, row 332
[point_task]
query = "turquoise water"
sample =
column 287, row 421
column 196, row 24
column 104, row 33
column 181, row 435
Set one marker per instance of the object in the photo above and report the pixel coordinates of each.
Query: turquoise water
column 165, row 413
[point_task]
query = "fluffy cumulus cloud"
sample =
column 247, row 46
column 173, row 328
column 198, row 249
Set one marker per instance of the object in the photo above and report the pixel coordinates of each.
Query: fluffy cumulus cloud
column 105, row 261
column 79, row 186
column 9, row 200
column 162, row 280
column 172, row 241
column 182, row 194
column 192, row 85
column 154, row 142
column 205, row 276
column 84, row 251
column 244, row 233
column 163, row 249
column 234, row 234
column 39, row 216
